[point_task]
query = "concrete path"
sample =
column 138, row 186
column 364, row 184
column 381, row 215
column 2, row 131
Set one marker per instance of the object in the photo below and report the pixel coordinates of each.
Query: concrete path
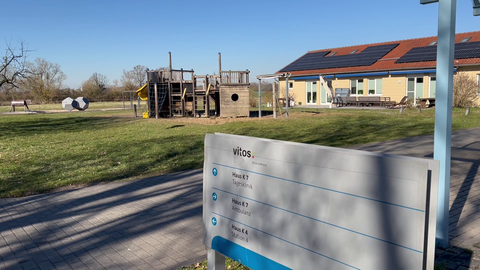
column 156, row 223
column 464, row 192
column 153, row 223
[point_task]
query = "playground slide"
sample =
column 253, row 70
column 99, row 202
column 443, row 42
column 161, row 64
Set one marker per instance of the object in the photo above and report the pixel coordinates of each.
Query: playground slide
column 143, row 92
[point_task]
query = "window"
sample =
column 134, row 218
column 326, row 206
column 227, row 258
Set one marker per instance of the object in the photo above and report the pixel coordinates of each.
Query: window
column 375, row 86
column 356, row 87
column 290, row 85
column 354, row 51
column 433, row 43
column 465, row 40
column 333, row 53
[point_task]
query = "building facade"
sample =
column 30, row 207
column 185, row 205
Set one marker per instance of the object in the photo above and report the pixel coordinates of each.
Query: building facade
column 391, row 69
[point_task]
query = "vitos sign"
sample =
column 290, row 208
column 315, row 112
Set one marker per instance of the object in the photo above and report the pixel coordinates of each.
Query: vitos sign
column 298, row 206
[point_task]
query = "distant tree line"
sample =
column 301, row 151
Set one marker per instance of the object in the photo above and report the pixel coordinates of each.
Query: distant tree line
column 42, row 81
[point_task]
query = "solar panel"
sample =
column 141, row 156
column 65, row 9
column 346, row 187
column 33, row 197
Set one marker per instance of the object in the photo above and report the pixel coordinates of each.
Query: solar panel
column 318, row 60
column 429, row 53
column 475, row 54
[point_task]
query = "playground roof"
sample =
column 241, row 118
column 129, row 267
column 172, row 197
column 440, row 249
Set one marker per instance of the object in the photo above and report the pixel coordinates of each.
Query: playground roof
column 419, row 53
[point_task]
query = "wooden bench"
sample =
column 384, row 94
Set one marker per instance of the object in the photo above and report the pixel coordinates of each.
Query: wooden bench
column 350, row 101
column 370, row 101
column 387, row 101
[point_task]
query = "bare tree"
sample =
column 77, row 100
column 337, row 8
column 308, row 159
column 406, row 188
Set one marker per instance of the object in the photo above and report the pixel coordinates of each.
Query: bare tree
column 95, row 86
column 44, row 79
column 465, row 90
column 13, row 63
column 134, row 79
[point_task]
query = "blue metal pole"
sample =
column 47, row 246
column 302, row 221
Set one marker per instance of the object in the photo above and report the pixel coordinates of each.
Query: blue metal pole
column 443, row 112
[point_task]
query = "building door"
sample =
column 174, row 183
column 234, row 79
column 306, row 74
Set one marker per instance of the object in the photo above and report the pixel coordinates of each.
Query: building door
column 414, row 88
column 311, row 92
column 433, row 86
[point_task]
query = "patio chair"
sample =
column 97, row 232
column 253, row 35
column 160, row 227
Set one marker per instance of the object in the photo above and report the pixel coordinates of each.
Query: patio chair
column 394, row 105
column 339, row 101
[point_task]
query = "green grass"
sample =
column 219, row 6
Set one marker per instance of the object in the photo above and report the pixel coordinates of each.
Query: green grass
column 229, row 265
column 43, row 152
column 92, row 106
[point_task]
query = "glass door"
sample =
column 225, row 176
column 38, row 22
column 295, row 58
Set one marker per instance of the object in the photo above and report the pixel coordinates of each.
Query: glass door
column 414, row 89
column 311, row 92
column 433, row 86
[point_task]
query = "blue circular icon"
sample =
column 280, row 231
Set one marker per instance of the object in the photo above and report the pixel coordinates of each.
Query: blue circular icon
column 214, row 196
column 215, row 171
column 214, row 221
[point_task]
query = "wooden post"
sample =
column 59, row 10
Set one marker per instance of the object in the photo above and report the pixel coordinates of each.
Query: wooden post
column 182, row 100
column 170, row 65
column 170, row 99
column 220, row 66
column 156, row 101
column 207, row 99
column 194, row 85
column 274, row 90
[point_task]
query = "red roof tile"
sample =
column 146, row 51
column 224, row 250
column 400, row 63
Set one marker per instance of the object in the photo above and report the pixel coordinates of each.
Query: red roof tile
column 388, row 61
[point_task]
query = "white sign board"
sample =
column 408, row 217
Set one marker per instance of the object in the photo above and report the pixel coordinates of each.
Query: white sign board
column 281, row 205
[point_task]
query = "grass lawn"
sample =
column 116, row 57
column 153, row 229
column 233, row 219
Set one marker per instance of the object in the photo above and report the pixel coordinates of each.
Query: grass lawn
column 43, row 152
column 92, row 105
column 229, row 265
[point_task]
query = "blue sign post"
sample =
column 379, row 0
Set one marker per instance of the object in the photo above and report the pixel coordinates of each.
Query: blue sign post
column 443, row 112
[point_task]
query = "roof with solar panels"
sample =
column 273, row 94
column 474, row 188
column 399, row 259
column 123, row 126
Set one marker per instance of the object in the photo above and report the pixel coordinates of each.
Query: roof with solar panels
column 416, row 53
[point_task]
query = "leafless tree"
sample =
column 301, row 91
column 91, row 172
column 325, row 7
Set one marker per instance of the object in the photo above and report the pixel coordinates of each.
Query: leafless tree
column 465, row 90
column 95, row 86
column 135, row 78
column 44, row 79
column 13, row 64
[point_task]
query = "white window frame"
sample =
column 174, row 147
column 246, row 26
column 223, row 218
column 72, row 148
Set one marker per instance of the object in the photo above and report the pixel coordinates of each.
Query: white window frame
column 290, row 85
column 375, row 84
column 415, row 82
column 317, row 84
column 430, row 85
column 356, row 87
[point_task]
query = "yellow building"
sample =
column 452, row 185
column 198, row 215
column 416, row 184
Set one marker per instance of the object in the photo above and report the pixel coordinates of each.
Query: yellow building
column 388, row 70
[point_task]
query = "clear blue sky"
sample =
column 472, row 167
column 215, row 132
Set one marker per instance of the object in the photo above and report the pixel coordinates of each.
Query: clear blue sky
column 106, row 37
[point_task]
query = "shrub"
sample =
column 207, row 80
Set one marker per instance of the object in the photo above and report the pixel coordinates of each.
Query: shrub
column 465, row 91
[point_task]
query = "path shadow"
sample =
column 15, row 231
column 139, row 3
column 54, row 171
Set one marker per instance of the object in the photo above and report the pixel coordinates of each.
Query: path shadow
column 264, row 113
column 59, row 226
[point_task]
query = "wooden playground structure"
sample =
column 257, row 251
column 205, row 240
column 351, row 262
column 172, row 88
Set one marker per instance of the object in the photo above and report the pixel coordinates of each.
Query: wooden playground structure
column 179, row 92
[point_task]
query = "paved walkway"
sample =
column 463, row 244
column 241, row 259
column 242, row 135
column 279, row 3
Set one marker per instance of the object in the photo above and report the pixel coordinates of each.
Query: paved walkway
column 464, row 192
column 156, row 223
